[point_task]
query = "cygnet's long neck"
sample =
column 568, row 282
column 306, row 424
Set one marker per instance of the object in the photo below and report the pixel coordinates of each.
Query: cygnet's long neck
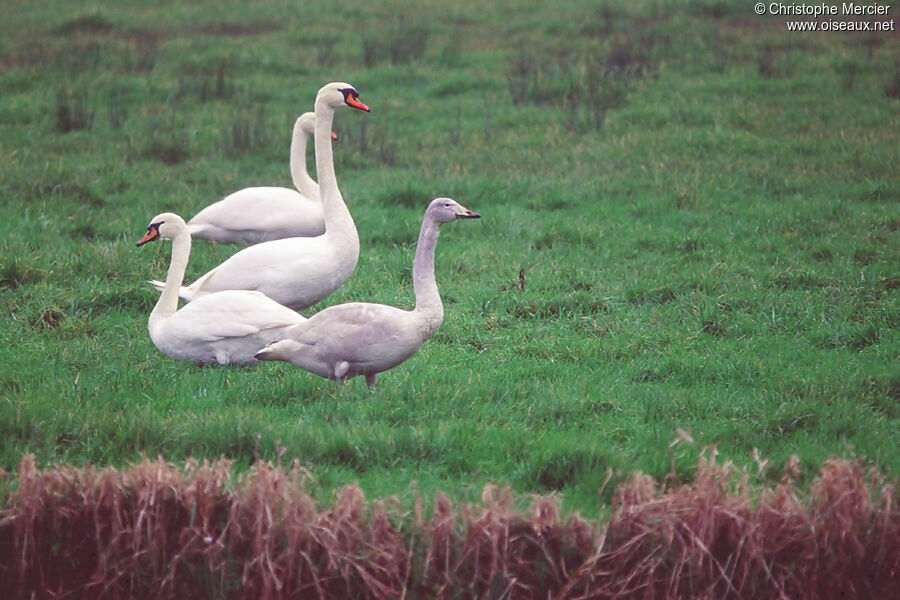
column 167, row 304
column 339, row 224
column 302, row 181
column 428, row 299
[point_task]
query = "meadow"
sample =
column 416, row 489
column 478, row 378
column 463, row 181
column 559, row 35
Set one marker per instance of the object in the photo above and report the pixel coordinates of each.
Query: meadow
column 689, row 238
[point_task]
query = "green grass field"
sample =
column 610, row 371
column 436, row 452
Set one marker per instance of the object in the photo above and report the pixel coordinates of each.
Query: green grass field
column 690, row 221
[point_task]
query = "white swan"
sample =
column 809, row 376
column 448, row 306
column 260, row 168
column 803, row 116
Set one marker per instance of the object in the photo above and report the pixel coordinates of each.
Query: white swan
column 359, row 338
column 300, row 271
column 259, row 214
column 227, row 327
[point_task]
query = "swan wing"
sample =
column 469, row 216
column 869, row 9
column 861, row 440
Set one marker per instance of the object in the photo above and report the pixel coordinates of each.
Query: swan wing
column 232, row 314
column 359, row 332
column 253, row 213
column 188, row 292
column 352, row 318
column 271, row 267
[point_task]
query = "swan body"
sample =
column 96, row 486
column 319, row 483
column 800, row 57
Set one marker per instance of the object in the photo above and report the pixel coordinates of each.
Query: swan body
column 259, row 214
column 228, row 327
column 360, row 338
column 297, row 272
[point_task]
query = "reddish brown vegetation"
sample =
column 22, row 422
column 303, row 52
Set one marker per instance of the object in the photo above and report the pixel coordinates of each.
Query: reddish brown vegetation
column 153, row 530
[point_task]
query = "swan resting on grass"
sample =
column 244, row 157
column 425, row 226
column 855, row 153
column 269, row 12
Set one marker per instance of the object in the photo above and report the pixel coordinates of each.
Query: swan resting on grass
column 260, row 214
column 360, row 338
column 297, row 272
column 227, row 327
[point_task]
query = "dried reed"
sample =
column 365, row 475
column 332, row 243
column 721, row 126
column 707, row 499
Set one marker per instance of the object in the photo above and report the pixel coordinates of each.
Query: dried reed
column 154, row 530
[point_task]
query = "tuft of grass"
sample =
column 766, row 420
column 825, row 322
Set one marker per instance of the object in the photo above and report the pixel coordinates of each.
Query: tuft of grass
column 324, row 51
column 408, row 195
column 16, row 271
column 166, row 139
column 50, row 318
column 117, row 111
column 208, row 83
column 249, row 132
column 93, row 23
column 72, row 113
column 146, row 51
column 892, row 81
column 400, row 44
column 367, row 146
column 408, row 44
column 584, row 85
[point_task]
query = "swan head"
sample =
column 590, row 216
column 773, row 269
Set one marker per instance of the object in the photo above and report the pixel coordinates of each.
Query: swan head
column 338, row 93
column 306, row 123
column 444, row 210
column 165, row 225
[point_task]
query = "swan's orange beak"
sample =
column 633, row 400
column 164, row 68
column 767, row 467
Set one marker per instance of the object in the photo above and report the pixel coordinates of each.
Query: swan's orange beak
column 355, row 103
column 333, row 136
column 152, row 234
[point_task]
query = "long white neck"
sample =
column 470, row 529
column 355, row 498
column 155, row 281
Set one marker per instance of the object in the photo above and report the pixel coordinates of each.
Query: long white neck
column 339, row 224
column 302, row 181
column 167, row 304
column 428, row 299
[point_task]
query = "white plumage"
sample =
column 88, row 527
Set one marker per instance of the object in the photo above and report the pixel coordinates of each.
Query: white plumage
column 227, row 327
column 366, row 339
column 259, row 214
column 300, row 271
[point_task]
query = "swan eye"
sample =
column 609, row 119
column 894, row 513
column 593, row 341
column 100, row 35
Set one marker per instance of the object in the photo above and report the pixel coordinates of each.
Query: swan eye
column 152, row 233
column 351, row 98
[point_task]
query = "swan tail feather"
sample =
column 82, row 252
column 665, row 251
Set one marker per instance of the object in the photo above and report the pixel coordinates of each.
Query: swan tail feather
column 185, row 293
column 197, row 230
column 189, row 292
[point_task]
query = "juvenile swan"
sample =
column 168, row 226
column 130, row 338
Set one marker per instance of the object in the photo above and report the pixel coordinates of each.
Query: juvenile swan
column 300, row 271
column 359, row 338
column 260, row 214
column 226, row 327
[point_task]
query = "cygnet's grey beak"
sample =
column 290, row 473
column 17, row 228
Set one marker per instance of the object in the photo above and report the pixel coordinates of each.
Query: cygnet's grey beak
column 468, row 214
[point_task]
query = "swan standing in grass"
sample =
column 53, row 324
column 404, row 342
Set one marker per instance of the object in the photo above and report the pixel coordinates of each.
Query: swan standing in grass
column 300, row 271
column 260, row 214
column 226, row 327
column 360, row 338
